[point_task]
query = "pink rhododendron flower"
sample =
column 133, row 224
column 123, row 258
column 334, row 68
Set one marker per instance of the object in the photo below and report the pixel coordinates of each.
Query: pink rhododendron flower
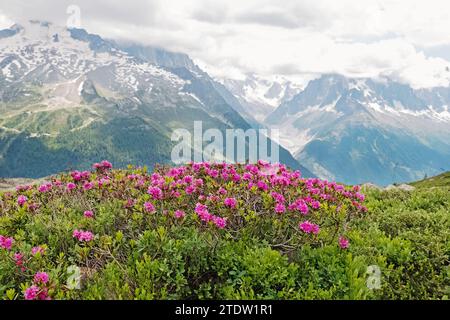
column 130, row 203
column 213, row 173
column 71, row 186
column 103, row 181
column 220, row 222
column 18, row 260
column 252, row 168
column 6, row 243
column 230, row 202
column 300, row 205
column 309, row 227
column 76, row 175
column 262, row 185
column 343, row 242
column 43, row 295
column 179, row 214
column 41, row 277
column 23, row 188
column 315, row 204
column 36, row 250
column 81, row 235
column 155, row 192
column 188, row 179
column 175, row 194
column 45, row 188
column 21, row 200
column 202, row 212
column 198, row 183
column 190, row 189
column 149, row 207
column 88, row 186
column 88, row 214
column 277, row 196
column 360, row 196
column 31, row 293
column 247, row 176
column 280, row 208
column 104, row 165
column 236, row 177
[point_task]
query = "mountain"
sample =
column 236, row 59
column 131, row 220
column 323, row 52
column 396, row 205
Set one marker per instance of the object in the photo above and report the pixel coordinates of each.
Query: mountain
column 69, row 98
column 362, row 130
column 260, row 96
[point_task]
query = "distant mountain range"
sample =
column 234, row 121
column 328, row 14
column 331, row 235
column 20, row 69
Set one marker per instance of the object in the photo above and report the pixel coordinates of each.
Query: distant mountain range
column 69, row 98
column 359, row 130
column 260, row 96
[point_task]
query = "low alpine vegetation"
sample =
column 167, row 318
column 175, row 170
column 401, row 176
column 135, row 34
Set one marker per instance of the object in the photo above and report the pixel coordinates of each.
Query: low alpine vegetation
column 201, row 231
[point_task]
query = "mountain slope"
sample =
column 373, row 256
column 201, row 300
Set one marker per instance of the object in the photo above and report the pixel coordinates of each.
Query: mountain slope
column 439, row 181
column 359, row 130
column 68, row 98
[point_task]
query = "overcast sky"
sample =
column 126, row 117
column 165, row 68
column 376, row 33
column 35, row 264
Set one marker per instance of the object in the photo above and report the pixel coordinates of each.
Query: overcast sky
column 406, row 40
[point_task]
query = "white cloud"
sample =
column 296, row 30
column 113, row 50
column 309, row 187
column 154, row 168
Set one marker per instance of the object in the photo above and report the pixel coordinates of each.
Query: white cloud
column 293, row 38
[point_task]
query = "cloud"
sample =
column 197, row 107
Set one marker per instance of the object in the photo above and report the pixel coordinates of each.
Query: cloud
column 230, row 38
column 270, row 16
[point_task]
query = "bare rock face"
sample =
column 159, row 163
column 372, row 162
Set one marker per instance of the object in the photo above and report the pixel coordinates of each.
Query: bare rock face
column 403, row 187
column 406, row 187
column 370, row 186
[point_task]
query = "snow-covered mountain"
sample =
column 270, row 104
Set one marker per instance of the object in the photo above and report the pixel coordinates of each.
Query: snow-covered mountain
column 260, row 96
column 68, row 98
column 358, row 130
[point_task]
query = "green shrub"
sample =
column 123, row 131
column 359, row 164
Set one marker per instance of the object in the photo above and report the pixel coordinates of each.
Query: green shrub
column 248, row 249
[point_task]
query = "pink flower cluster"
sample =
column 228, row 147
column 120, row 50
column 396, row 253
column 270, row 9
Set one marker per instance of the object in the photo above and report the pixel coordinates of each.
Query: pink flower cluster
column 38, row 249
column 203, row 213
column 344, row 243
column 21, row 200
column 41, row 277
column 155, row 192
column 80, row 176
column 81, row 235
column 149, row 207
column 23, row 188
column 280, row 208
column 88, row 186
column 6, row 243
column 299, row 205
column 215, row 187
column 103, row 166
column 71, row 186
column 45, row 188
column 39, row 290
column 88, row 214
column 309, row 227
column 18, row 260
column 179, row 214
column 230, row 202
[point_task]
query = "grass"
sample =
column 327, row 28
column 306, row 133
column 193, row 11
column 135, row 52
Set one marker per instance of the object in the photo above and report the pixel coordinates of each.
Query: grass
column 439, row 181
column 259, row 255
